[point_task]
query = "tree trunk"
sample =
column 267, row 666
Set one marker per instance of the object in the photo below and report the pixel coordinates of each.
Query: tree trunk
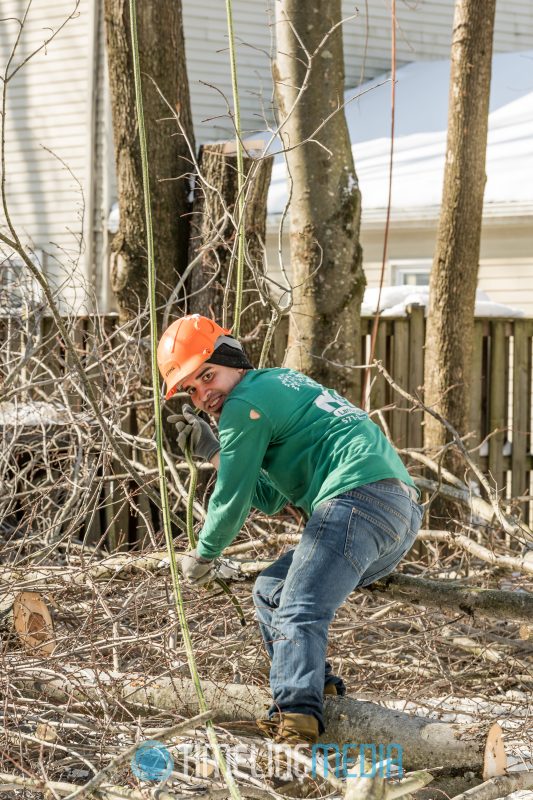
column 453, row 281
column 325, row 206
column 425, row 743
column 213, row 239
column 162, row 59
column 162, row 62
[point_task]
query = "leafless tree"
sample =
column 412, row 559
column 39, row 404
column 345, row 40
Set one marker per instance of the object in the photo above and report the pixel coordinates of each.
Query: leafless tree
column 450, row 326
column 325, row 202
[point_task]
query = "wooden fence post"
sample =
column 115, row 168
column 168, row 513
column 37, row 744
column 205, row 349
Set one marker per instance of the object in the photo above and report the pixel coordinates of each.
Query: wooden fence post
column 415, row 433
column 521, row 433
column 379, row 393
column 497, row 403
column 475, row 425
column 400, row 373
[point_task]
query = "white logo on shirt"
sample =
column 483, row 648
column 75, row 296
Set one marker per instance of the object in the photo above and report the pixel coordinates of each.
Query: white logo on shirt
column 334, row 404
column 295, row 380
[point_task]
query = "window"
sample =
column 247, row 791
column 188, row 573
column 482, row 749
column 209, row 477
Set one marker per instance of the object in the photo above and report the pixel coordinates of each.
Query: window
column 413, row 272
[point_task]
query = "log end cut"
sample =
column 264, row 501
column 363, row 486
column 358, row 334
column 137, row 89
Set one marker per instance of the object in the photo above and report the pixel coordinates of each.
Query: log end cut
column 495, row 762
column 33, row 623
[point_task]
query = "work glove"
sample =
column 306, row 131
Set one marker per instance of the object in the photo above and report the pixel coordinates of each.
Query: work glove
column 196, row 433
column 197, row 570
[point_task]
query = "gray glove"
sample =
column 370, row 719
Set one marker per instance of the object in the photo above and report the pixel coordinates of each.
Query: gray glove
column 196, row 433
column 197, row 570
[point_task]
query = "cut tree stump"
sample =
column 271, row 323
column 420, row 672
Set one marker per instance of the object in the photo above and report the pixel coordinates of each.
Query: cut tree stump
column 212, row 238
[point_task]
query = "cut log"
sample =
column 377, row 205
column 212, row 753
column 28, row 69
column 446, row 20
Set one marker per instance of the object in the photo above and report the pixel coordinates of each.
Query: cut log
column 451, row 595
column 500, row 786
column 445, row 594
column 33, row 623
column 348, row 721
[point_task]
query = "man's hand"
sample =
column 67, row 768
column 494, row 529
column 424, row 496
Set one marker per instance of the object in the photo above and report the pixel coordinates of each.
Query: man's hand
column 197, row 570
column 196, row 433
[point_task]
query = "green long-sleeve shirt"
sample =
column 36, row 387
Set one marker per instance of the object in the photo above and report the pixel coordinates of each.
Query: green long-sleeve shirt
column 284, row 438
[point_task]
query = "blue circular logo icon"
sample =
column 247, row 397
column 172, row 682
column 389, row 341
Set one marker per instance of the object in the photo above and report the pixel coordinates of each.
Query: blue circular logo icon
column 152, row 761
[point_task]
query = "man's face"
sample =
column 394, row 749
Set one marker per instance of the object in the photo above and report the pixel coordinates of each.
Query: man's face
column 209, row 386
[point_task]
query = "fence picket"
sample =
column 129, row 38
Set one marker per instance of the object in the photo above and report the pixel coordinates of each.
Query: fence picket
column 378, row 398
column 475, row 425
column 497, row 403
column 415, row 431
column 521, row 434
column 400, row 372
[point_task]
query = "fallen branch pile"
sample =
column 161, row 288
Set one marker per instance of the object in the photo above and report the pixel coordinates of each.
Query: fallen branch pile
column 92, row 698
column 107, row 670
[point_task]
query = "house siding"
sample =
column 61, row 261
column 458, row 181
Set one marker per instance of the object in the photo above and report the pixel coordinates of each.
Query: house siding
column 424, row 32
column 47, row 120
column 50, row 105
column 505, row 272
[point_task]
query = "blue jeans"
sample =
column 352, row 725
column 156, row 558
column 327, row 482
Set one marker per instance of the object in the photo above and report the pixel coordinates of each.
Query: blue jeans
column 350, row 541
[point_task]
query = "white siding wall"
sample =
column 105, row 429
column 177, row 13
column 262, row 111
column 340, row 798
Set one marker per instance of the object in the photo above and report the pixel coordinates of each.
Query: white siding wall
column 49, row 107
column 206, row 45
column 51, row 104
column 424, row 32
column 506, row 258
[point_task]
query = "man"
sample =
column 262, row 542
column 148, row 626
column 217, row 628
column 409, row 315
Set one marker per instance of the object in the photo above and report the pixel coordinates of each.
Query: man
column 285, row 438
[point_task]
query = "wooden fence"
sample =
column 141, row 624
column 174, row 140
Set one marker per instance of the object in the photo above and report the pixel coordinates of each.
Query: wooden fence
column 500, row 409
column 501, row 401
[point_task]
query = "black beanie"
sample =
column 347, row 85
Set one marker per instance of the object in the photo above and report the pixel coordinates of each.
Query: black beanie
column 229, row 355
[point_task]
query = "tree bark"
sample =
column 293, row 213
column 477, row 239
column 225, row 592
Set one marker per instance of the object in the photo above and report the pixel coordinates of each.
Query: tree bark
column 424, row 742
column 453, row 280
column 450, row 595
column 162, row 58
column 213, row 240
column 163, row 68
column 325, row 206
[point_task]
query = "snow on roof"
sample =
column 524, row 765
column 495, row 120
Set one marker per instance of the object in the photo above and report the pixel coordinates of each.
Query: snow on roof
column 395, row 300
column 420, row 136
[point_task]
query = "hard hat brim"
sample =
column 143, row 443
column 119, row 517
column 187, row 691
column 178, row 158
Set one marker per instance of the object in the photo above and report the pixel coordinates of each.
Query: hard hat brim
column 189, row 366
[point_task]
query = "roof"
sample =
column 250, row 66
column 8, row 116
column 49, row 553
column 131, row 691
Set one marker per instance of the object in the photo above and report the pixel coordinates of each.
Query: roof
column 420, row 140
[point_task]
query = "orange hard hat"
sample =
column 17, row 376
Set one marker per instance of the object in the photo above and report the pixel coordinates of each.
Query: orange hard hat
column 184, row 346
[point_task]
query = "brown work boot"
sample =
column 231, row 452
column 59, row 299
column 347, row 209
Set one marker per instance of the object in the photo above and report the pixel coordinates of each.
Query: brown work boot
column 289, row 728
